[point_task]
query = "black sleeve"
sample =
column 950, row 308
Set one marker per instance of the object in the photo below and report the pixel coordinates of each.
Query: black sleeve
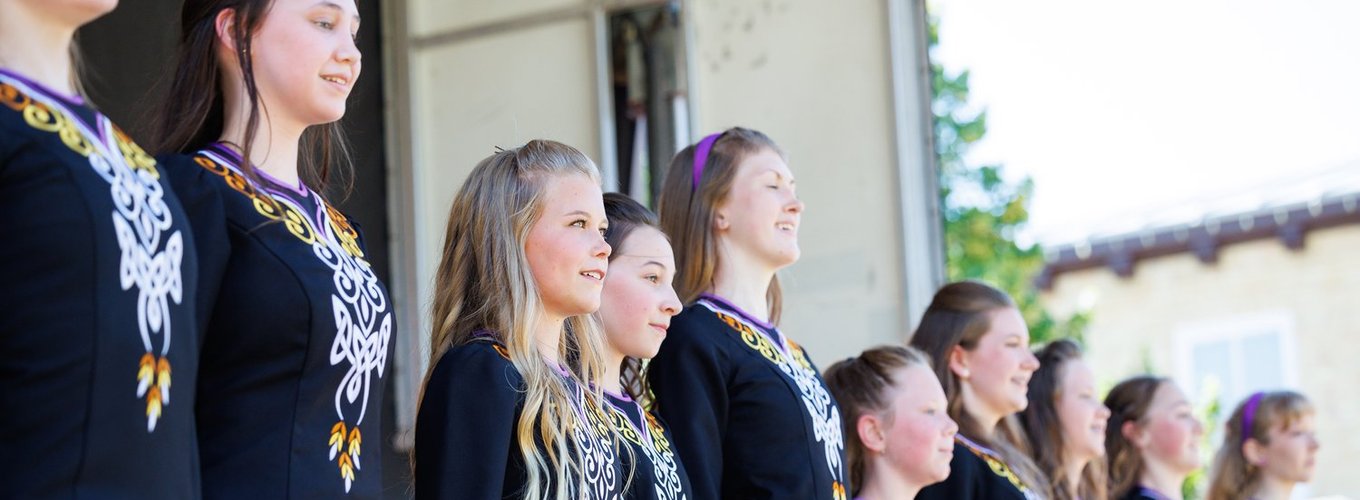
column 199, row 192
column 963, row 481
column 466, row 425
column 688, row 381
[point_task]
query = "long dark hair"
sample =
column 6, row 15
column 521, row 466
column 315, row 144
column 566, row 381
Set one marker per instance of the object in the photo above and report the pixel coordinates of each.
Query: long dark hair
column 1043, row 426
column 191, row 116
column 625, row 215
column 687, row 211
column 959, row 315
column 1128, row 402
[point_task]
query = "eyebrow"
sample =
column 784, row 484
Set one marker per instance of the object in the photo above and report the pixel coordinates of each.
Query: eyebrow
column 336, row 6
column 648, row 263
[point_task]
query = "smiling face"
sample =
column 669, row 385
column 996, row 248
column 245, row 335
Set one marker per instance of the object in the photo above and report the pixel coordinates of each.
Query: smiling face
column 1292, row 453
column 1169, row 433
column 566, row 250
column 305, row 60
column 759, row 217
column 995, row 374
column 1081, row 413
column 638, row 300
column 919, row 440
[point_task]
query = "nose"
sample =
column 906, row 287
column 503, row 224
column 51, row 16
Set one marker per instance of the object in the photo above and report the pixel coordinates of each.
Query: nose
column 1030, row 363
column 952, row 428
column 795, row 205
column 1103, row 412
column 602, row 249
column 348, row 52
column 671, row 304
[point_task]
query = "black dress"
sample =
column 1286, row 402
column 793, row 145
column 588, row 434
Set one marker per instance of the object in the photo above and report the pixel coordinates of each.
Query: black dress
column 657, row 473
column 100, row 359
column 977, row 472
column 297, row 338
column 466, row 445
column 751, row 415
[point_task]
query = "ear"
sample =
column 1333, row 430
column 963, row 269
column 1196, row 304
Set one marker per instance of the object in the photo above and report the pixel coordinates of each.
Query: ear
column 1131, row 432
column 1253, row 452
column 720, row 222
column 870, row 433
column 958, row 362
column 224, row 26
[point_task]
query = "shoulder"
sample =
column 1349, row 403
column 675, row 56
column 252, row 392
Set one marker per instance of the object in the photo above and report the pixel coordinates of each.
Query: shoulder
column 479, row 363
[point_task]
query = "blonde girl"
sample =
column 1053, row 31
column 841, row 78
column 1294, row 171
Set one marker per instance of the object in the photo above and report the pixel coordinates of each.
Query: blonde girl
column 1269, row 447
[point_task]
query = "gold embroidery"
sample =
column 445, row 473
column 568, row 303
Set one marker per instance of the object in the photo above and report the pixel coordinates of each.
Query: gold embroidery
column 349, row 238
column 264, row 204
column 996, row 465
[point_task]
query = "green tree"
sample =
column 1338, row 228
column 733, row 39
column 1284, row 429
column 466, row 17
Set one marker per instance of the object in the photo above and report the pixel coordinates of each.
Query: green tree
column 984, row 212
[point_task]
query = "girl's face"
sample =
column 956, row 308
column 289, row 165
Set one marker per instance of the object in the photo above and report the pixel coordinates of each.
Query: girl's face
column 566, row 249
column 1169, row 433
column 760, row 215
column 305, row 60
column 919, row 442
column 1292, row 451
column 995, row 374
column 1080, row 413
column 638, row 300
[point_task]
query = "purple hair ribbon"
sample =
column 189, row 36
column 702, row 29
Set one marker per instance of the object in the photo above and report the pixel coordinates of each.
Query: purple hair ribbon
column 701, row 156
column 1249, row 414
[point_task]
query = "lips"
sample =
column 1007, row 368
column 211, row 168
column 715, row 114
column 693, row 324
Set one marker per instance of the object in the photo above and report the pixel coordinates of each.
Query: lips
column 593, row 274
column 341, row 80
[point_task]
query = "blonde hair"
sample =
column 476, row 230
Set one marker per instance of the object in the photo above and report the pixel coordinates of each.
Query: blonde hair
column 484, row 284
column 860, row 386
column 686, row 210
column 1233, row 477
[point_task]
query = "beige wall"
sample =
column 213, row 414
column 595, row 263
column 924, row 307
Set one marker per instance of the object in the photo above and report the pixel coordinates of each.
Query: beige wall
column 1313, row 294
column 815, row 75
column 824, row 95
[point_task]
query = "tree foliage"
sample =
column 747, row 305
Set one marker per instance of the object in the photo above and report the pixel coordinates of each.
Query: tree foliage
column 984, row 208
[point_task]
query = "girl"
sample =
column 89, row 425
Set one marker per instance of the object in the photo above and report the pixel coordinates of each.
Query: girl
column 505, row 411
column 900, row 435
column 1065, row 423
column 979, row 344
column 100, row 275
column 1152, row 439
column 635, row 309
column 298, row 327
column 751, row 415
column 1268, row 448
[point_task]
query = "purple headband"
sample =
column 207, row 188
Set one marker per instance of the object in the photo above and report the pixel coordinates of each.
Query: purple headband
column 701, row 156
column 1249, row 414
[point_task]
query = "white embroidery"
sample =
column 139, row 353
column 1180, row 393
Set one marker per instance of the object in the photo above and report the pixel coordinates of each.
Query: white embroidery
column 150, row 259
column 826, row 420
column 665, row 471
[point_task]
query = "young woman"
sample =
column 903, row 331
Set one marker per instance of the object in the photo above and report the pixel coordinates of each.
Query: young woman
column 751, row 415
column 1065, row 423
column 1152, row 439
column 506, row 411
column 100, row 275
column 979, row 344
column 1268, row 448
column 636, row 309
column 900, row 435
column 298, row 328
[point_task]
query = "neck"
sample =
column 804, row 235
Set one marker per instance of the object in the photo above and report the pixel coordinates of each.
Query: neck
column 743, row 283
column 1162, row 479
column 882, row 482
column 1072, row 471
column 547, row 336
column 275, row 149
column 35, row 47
column 1272, row 488
column 613, row 364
